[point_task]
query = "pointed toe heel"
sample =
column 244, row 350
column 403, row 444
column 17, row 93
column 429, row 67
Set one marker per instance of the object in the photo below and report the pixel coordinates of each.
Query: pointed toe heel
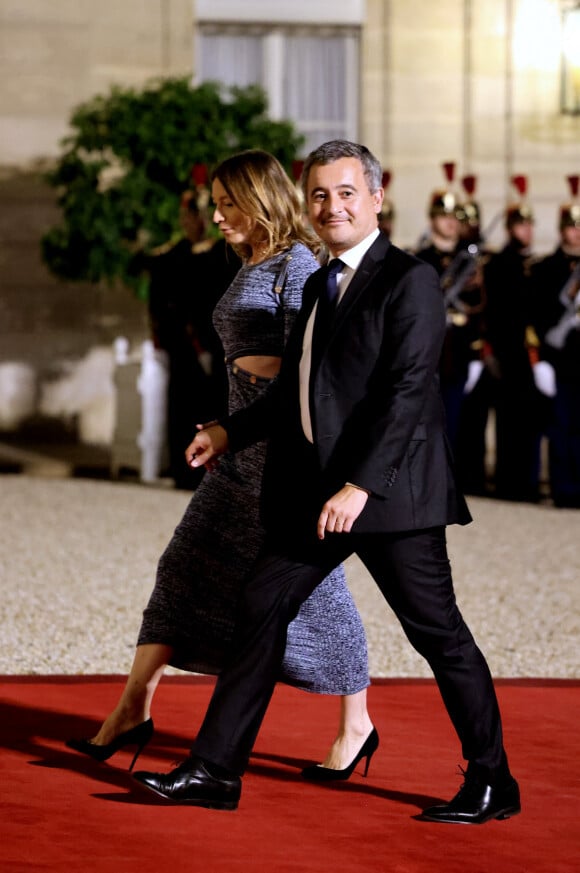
column 138, row 736
column 318, row 773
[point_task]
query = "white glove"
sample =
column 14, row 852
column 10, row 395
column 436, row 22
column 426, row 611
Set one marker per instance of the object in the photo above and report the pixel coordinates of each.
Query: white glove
column 545, row 378
column 474, row 371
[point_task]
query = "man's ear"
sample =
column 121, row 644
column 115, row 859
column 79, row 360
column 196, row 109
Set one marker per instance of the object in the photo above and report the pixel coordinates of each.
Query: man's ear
column 378, row 199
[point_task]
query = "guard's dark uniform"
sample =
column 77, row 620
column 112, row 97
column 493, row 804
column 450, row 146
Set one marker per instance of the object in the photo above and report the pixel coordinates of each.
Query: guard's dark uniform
column 462, row 288
column 554, row 308
column 185, row 286
column 463, row 331
column 515, row 397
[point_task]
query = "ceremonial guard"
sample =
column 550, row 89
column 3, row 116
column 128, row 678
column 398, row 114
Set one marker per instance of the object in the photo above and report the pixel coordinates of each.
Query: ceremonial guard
column 471, row 449
column 512, row 345
column 187, row 278
column 556, row 299
column 459, row 270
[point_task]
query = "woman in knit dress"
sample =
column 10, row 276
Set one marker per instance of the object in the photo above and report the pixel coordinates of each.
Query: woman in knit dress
column 191, row 614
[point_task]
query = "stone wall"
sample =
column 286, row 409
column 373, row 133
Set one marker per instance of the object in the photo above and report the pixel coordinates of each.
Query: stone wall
column 475, row 83
column 58, row 53
column 54, row 56
column 43, row 318
column 50, row 328
column 439, row 82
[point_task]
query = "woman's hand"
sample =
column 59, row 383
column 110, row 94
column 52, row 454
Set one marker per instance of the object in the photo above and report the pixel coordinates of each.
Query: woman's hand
column 208, row 444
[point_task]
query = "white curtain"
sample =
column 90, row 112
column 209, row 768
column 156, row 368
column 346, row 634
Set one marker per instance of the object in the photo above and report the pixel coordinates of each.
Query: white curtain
column 232, row 59
column 315, row 76
column 306, row 77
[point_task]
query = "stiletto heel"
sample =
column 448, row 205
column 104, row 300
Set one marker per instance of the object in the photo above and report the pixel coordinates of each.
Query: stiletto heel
column 138, row 751
column 138, row 736
column 318, row 773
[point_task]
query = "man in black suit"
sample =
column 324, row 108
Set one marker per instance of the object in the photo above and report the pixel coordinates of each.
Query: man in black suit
column 358, row 462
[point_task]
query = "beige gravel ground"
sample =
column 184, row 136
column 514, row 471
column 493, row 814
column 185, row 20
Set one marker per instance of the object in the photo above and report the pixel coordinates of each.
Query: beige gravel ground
column 78, row 557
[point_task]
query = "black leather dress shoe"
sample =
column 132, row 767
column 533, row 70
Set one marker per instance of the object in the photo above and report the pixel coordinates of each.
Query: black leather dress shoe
column 476, row 803
column 191, row 784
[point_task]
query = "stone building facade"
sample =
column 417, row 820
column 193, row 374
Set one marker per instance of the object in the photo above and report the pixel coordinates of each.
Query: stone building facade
column 457, row 80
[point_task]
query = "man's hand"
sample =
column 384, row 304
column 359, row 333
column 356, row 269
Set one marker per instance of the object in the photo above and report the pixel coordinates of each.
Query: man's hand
column 340, row 512
column 210, row 442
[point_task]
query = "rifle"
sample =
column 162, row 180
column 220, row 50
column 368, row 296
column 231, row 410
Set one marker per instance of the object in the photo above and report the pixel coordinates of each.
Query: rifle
column 455, row 278
column 570, row 320
column 461, row 270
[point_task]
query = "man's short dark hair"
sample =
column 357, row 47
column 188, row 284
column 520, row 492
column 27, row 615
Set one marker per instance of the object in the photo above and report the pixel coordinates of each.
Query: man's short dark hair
column 335, row 149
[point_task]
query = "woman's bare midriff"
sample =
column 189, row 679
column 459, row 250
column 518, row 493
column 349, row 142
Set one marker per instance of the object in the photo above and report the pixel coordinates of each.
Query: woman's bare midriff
column 266, row 366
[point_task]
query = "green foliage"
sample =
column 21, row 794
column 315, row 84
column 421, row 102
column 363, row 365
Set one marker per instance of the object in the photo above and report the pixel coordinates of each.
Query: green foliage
column 129, row 158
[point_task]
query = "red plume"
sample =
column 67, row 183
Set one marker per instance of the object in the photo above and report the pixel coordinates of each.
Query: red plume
column 520, row 183
column 573, row 183
column 469, row 183
column 297, row 167
column 449, row 170
column 199, row 174
column 386, row 179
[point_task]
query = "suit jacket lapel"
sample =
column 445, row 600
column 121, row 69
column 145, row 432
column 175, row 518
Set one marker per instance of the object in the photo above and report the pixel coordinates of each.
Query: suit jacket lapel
column 366, row 271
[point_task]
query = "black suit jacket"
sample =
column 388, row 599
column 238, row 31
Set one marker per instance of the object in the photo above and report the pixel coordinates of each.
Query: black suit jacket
column 377, row 414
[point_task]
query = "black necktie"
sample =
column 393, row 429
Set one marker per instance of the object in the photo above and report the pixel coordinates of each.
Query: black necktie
column 334, row 267
column 325, row 310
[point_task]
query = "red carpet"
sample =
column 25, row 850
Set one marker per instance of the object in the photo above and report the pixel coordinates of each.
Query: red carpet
column 60, row 811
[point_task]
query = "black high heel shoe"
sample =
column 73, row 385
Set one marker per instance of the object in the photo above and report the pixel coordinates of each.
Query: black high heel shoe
column 318, row 773
column 138, row 736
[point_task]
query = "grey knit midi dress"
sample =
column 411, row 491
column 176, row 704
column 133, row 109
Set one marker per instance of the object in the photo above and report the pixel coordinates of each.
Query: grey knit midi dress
column 193, row 605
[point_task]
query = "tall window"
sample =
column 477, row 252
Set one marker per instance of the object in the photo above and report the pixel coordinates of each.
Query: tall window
column 310, row 75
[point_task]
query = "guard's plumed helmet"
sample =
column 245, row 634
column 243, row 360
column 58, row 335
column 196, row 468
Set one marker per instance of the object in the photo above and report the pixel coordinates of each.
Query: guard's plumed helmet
column 470, row 211
column 570, row 212
column 444, row 201
column 520, row 210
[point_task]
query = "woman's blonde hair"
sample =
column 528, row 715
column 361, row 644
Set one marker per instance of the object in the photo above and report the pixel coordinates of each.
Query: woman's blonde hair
column 260, row 187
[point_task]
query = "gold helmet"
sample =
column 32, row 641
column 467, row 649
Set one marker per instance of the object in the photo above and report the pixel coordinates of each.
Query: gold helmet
column 444, row 201
column 520, row 210
column 570, row 212
column 470, row 211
